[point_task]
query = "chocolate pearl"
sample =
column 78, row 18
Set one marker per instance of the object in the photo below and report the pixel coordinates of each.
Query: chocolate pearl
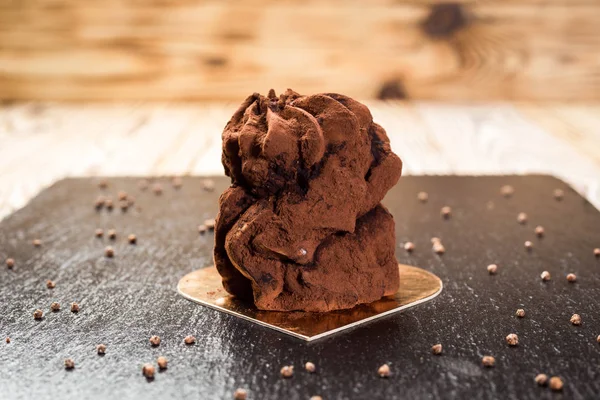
column 507, row 191
column 7, row 340
column 492, row 269
column 576, row 319
column 123, row 205
column 310, row 367
column 108, row 203
column 157, row 189
column 384, row 371
column 439, row 248
column 122, row 195
column 558, row 194
column 409, row 246
column 55, row 306
column 545, row 276
column 103, row 184
column 155, row 340
column 99, row 203
column 50, row 284
column 10, row 263
column 287, row 371
column 148, row 371
column 512, row 339
column 597, row 252
column 177, row 183
column 101, row 349
column 436, row 349
column 522, row 218
column 208, row 185
column 528, row 245
column 99, row 233
column 74, row 307
column 162, row 362
column 240, row 394
column 210, row 224
column 189, row 339
column 423, row 197
column 539, row 231
column 132, row 239
column 571, row 277
column 541, row 379
column 112, row 234
column 109, row 252
column 38, row 314
column 143, row 184
column 556, row 384
column 520, row 313
column 446, row 212
column 488, row 361
column 69, row 363
column 37, row 242
column 202, row 229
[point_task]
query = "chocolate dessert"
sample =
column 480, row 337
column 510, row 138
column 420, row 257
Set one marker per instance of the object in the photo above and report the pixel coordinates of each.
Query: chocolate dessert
column 301, row 227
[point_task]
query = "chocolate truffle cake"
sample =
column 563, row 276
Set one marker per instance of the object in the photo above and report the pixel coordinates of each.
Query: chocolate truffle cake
column 301, row 227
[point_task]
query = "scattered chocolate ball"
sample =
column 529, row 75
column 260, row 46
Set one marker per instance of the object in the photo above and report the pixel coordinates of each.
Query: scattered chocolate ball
column 208, row 185
column 520, row 313
column 522, row 218
column 10, row 263
column 539, row 231
column 37, row 242
column 556, row 384
column 112, row 234
column 162, row 362
column 55, row 306
column 38, row 314
column 122, row 195
column 597, row 252
column 287, row 371
column 409, row 246
column 177, row 182
column 99, row 233
column 155, row 340
column 132, row 239
column 202, row 229
column 124, row 205
column 189, row 339
column 101, row 349
column 436, row 349
column 423, row 197
column 541, row 379
column 157, row 189
column 488, row 361
column 7, row 340
column 69, row 363
column 99, row 203
column 240, row 394
column 545, row 276
column 74, row 307
column 558, row 194
column 103, row 184
column 571, row 277
column 512, row 339
column 143, row 184
column 109, row 252
column 50, row 284
column 148, row 371
column 108, row 203
column 492, row 269
column 384, row 371
column 576, row 319
column 310, row 367
column 528, row 245
column 210, row 224
column 507, row 191
column 439, row 248
column 446, row 212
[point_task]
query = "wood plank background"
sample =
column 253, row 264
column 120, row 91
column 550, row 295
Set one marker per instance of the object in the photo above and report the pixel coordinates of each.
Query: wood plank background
column 44, row 142
column 224, row 50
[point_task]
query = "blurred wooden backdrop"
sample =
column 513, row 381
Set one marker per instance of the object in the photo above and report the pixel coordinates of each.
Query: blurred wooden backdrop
column 224, row 50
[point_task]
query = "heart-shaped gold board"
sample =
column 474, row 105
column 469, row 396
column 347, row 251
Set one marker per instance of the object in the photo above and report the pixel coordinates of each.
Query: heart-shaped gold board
column 416, row 286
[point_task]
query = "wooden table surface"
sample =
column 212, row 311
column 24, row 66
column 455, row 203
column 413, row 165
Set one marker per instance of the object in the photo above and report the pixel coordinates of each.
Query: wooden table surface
column 43, row 142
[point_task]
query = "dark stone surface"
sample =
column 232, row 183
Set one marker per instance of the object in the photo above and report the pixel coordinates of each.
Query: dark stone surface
column 127, row 299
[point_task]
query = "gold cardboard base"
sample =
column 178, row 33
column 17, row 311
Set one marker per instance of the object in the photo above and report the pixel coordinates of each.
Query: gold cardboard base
column 416, row 286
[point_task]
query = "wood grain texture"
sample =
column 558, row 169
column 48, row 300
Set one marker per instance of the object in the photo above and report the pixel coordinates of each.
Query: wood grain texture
column 131, row 297
column 44, row 142
column 217, row 50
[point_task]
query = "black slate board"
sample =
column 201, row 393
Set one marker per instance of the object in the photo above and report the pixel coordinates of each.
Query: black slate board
column 127, row 299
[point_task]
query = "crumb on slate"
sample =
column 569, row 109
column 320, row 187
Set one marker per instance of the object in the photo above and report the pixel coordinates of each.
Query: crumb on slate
column 541, row 379
column 287, row 371
column 177, row 182
column 492, row 269
column 558, row 194
column 37, row 242
column 189, row 339
column 208, row 185
column 240, row 394
column 109, row 252
column 50, row 284
column 576, row 319
column 38, row 314
column 446, row 212
column 436, row 349
column 310, row 367
column 546, row 276
column 132, row 239
column 99, row 233
column 69, row 363
column 55, row 306
column 488, row 361
column 155, row 340
column 512, row 339
column 7, row 340
column 571, row 277
column 556, row 384
column 597, row 252
column 528, row 245
column 108, row 203
column 162, row 362
column 10, row 263
column 112, row 234
column 74, row 307
column 148, row 371
column 522, row 218
column 439, row 248
column 539, row 231
column 157, row 189
column 384, row 371
column 423, row 197
column 507, row 190
column 101, row 349
column 210, row 224
column 202, row 229
column 520, row 313
column 409, row 246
